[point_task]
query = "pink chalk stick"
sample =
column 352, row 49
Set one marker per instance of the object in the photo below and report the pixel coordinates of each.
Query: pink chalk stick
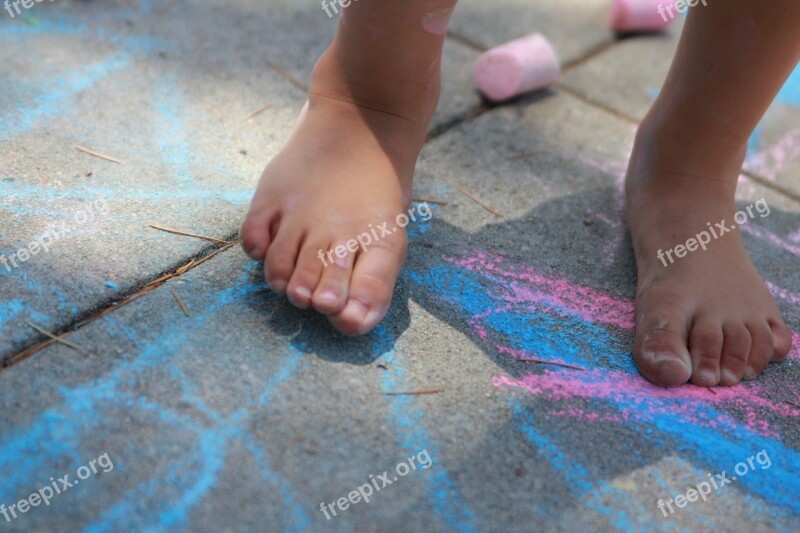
column 641, row 15
column 515, row 68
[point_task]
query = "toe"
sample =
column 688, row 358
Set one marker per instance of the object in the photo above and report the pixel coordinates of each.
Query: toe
column 660, row 346
column 281, row 257
column 782, row 339
column 705, row 345
column 256, row 231
column 307, row 273
column 735, row 352
column 330, row 295
column 761, row 350
column 371, row 287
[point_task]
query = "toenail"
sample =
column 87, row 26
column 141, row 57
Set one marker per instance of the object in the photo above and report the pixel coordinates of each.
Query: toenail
column 728, row 376
column 327, row 297
column 749, row 373
column 663, row 357
column 670, row 358
column 302, row 292
column 300, row 297
column 707, row 376
column 355, row 311
column 278, row 285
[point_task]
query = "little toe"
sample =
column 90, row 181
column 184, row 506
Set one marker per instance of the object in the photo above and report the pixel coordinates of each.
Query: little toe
column 255, row 232
column 761, row 350
column 782, row 339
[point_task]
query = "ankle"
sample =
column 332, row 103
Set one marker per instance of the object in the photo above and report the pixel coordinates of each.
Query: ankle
column 687, row 140
column 396, row 115
column 409, row 93
column 671, row 157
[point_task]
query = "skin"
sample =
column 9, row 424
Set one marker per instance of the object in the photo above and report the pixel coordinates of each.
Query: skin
column 708, row 317
column 372, row 97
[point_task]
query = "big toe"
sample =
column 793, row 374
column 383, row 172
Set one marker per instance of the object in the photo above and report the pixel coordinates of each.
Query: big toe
column 660, row 349
column 371, row 288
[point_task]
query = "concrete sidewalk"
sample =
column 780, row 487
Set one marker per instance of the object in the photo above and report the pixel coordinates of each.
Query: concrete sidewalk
column 247, row 414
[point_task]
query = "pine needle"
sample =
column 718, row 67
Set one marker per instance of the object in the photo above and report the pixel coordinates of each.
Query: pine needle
column 180, row 303
column 54, row 337
column 186, row 234
column 97, row 154
column 257, row 112
column 479, row 202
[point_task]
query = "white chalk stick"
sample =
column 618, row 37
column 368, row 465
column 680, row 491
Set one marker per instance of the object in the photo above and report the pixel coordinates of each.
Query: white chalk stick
column 641, row 15
column 515, row 68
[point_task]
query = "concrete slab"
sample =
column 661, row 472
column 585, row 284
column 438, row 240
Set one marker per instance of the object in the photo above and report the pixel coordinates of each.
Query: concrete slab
column 142, row 89
column 627, row 78
column 249, row 412
column 168, row 96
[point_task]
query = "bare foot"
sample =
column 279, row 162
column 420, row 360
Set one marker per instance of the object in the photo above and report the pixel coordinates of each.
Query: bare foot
column 707, row 316
column 347, row 169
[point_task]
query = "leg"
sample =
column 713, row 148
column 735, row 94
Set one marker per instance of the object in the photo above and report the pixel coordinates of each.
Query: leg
column 349, row 164
column 708, row 317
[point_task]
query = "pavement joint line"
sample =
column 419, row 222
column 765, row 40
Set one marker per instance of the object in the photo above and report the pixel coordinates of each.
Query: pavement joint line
column 465, row 41
column 765, row 182
column 585, row 99
column 207, row 254
column 455, row 122
column 593, row 53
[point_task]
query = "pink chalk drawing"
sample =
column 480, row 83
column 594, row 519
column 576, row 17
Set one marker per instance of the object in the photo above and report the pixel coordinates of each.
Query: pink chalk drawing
column 520, row 289
column 773, row 160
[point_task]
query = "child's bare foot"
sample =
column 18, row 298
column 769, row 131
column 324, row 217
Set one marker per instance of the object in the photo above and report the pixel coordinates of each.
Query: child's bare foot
column 346, row 170
column 707, row 315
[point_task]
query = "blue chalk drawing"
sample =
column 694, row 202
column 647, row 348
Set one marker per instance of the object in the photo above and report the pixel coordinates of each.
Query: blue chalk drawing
column 409, row 421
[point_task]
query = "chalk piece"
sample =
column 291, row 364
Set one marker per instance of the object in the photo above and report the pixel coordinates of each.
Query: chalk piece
column 640, row 15
column 518, row 67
